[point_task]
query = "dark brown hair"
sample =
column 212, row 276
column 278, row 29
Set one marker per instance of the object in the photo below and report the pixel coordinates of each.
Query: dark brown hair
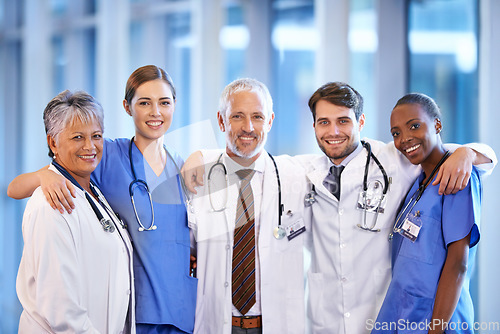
column 340, row 94
column 144, row 74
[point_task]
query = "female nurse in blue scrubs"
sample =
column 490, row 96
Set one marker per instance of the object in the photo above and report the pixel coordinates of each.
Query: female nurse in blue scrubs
column 434, row 237
column 165, row 292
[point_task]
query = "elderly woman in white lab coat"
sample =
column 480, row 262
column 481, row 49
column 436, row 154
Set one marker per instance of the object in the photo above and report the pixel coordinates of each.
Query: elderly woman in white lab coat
column 75, row 273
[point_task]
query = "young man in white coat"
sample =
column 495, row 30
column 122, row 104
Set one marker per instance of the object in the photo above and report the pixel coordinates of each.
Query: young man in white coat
column 273, row 287
column 351, row 265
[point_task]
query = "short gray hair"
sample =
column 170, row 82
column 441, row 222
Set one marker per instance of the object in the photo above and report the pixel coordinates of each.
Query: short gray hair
column 67, row 106
column 245, row 85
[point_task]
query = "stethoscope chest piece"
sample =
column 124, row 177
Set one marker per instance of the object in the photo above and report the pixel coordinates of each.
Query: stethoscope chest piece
column 279, row 232
column 310, row 198
column 107, row 225
column 152, row 228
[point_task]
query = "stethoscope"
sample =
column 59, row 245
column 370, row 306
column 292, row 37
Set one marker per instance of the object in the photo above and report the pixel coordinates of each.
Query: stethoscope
column 141, row 183
column 279, row 231
column 415, row 198
column 310, row 198
column 106, row 224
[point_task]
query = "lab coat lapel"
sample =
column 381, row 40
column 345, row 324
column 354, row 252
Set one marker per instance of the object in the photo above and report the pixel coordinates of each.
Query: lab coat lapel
column 230, row 212
column 269, row 203
column 317, row 175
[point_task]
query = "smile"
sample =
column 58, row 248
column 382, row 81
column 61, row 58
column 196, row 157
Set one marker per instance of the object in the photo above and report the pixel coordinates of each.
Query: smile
column 87, row 157
column 154, row 123
column 333, row 142
column 411, row 149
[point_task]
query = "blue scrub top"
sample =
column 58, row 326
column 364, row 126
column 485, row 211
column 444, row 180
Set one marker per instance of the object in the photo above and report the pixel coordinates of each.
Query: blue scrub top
column 165, row 293
column 417, row 265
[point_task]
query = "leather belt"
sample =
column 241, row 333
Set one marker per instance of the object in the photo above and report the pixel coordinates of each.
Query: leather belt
column 248, row 322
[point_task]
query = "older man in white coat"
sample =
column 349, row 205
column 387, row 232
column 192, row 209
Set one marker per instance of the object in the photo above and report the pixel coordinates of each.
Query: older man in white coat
column 259, row 287
column 351, row 266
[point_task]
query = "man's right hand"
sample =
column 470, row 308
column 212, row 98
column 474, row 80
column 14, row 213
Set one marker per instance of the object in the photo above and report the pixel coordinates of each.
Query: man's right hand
column 193, row 171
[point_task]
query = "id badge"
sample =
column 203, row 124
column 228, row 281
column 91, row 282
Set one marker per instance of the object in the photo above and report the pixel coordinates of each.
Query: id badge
column 296, row 228
column 411, row 227
column 373, row 199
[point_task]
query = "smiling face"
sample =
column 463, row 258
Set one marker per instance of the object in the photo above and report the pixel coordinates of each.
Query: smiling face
column 416, row 134
column 151, row 108
column 78, row 148
column 337, row 130
column 246, row 125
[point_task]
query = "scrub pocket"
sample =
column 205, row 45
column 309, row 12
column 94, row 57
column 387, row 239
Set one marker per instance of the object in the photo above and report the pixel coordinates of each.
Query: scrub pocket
column 416, row 311
column 425, row 247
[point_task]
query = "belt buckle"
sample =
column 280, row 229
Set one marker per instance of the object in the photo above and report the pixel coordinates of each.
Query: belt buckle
column 243, row 318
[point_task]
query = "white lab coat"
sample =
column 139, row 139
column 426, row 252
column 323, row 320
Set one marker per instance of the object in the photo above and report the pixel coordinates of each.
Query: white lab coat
column 74, row 277
column 281, row 261
column 351, row 268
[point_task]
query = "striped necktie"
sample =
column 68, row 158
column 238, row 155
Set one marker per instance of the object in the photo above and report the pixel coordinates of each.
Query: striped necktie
column 243, row 276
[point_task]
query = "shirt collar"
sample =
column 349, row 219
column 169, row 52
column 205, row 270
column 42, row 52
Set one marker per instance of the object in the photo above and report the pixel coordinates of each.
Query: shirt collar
column 258, row 165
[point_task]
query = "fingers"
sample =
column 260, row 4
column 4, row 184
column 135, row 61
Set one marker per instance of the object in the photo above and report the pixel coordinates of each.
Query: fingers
column 72, row 191
column 61, row 199
column 200, row 170
column 451, row 181
column 444, row 180
column 193, row 178
column 53, row 204
column 193, row 261
column 190, row 181
column 192, row 268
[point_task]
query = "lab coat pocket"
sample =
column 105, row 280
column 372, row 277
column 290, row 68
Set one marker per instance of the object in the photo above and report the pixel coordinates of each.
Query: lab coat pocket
column 416, row 310
column 424, row 247
column 315, row 309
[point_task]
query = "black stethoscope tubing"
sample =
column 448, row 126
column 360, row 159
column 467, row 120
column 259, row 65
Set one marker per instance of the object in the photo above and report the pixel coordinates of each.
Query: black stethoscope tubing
column 419, row 192
column 106, row 223
column 370, row 155
column 280, row 204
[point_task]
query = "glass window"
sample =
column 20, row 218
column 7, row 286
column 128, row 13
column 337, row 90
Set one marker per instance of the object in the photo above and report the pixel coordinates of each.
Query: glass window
column 294, row 41
column 59, row 64
column 443, row 50
column 170, row 48
column 234, row 38
column 59, row 7
column 363, row 43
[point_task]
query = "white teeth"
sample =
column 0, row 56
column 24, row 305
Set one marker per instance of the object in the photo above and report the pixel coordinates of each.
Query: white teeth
column 413, row 148
column 246, row 138
column 154, row 123
column 334, row 141
column 87, row 156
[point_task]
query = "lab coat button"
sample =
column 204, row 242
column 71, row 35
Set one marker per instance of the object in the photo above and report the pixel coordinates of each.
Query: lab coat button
column 344, row 279
column 128, row 291
column 341, row 212
column 226, row 284
column 347, row 314
column 227, row 247
column 342, row 245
